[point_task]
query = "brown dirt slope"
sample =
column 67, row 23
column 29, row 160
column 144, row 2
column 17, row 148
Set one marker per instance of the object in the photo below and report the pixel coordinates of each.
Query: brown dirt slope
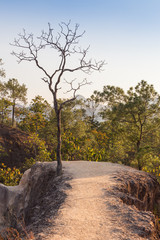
column 12, row 140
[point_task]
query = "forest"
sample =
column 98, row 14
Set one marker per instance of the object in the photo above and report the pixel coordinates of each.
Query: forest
column 111, row 125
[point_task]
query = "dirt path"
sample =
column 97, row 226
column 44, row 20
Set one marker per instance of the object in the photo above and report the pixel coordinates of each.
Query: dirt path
column 89, row 211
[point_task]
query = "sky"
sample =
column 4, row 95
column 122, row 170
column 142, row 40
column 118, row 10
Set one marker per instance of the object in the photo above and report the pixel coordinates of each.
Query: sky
column 124, row 33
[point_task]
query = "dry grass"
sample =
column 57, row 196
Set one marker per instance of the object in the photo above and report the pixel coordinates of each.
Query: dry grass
column 14, row 234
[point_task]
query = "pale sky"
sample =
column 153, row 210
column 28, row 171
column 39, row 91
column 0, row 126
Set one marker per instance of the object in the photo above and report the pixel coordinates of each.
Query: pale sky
column 124, row 33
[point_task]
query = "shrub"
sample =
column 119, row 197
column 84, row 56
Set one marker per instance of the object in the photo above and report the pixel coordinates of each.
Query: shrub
column 38, row 150
column 9, row 176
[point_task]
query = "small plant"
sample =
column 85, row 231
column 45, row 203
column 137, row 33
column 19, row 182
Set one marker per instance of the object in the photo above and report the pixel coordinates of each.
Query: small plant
column 9, row 176
column 17, row 232
column 10, row 233
column 13, row 234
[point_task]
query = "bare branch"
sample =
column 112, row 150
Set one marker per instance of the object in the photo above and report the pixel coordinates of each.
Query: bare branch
column 45, row 80
column 67, row 101
column 65, row 43
column 73, row 88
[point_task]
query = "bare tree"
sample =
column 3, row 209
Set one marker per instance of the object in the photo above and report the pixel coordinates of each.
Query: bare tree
column 65, row 43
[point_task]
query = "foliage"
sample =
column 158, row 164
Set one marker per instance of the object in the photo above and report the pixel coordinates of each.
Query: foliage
column 38, row 150
column 96, row 149
column 9, row 176
column 152, row 164
column 2, row 72
column 129, row 132
column 2, row 151
column 28, row 163
column 5, row 104
column 94, row 154
column 70, row 147
column 92, row 105
column 11, row 92
column 34, row 119
column 133, row 116
column 4, row 110
column 15, row 92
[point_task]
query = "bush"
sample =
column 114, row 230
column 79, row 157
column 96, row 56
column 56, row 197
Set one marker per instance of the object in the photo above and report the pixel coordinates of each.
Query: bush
column 38, row 150
column 152, row 165
column 8, row 176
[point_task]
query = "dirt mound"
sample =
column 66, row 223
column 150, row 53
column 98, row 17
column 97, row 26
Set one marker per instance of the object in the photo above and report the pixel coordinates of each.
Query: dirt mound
column 12, row 146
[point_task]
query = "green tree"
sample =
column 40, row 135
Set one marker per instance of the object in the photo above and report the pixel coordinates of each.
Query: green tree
column 74, row 130
column 65, row 44
column 5, row 104
column 15, row 92
column 38, row 149
column 92, row 107
column 141, row 109
column 133, row 115
column 34, row 118
column 4, row 110
column 111, row 98
column 111, row 95
column 2, row 71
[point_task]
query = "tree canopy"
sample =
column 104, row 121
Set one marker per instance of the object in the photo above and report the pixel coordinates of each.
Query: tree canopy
column 128, row 131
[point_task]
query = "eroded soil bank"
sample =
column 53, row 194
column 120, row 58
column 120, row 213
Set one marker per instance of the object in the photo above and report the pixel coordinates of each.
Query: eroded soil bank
column 90, row 201
column 100, row 201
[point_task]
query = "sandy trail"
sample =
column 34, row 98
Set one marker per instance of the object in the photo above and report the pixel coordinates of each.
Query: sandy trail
column 86, row 213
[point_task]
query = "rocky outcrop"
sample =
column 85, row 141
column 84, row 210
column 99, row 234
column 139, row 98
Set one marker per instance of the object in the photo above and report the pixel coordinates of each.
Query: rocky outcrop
column 15, row 201
column 137, row 188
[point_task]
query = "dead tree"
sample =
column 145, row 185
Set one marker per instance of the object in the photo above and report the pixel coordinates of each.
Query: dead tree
column 66, row 44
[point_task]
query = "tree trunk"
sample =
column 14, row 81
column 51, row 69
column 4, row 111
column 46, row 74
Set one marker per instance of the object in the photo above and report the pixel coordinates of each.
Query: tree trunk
column 13, row 113
column 2, row 117
column 59, row 159
column 139, row 161
column 138, row 148
column 138, row 145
